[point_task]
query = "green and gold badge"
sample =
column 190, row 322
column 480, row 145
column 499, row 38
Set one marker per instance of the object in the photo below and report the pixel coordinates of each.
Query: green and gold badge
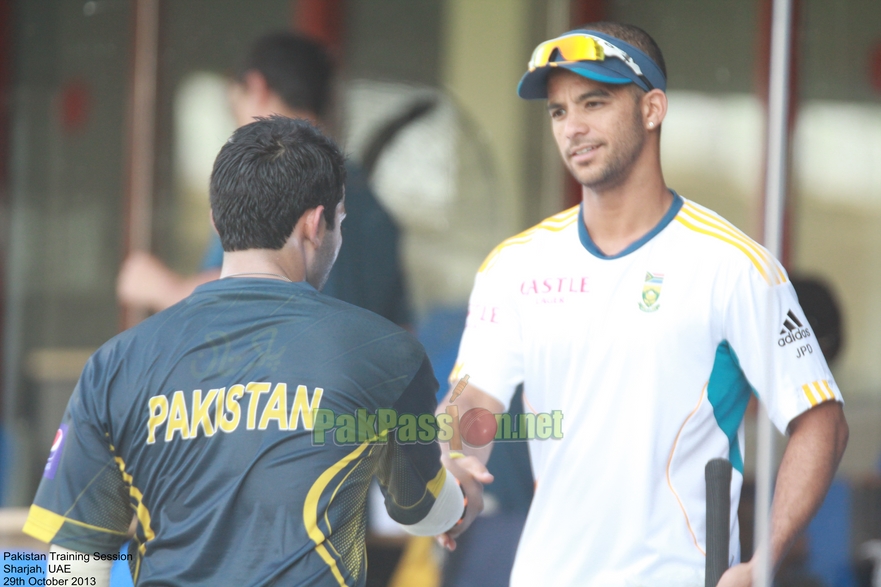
column 651, row 292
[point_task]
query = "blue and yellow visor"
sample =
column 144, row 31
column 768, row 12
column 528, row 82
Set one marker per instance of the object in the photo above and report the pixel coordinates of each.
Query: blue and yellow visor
column 594, row 55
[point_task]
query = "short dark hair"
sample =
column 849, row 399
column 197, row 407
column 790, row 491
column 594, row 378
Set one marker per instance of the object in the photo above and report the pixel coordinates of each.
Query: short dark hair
column 296, row 68
column 267, row 175
column 631, row 34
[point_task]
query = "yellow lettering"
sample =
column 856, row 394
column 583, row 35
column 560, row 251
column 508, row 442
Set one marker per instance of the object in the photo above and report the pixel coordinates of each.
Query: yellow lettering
column 178, row 421
column 256, row 390
column 276, row 408
column 302, row 408
column 177, row 416
column 218, row 406
column 232, row 407
column 200, row 413
column 158, row 414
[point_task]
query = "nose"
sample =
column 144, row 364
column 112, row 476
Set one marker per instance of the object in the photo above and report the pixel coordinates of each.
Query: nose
column 575, row 125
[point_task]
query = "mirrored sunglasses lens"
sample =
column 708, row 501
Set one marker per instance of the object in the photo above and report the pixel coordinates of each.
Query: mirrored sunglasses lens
column 574, row 48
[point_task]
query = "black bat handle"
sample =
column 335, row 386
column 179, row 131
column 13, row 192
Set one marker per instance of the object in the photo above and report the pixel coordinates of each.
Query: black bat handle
column 718, row 477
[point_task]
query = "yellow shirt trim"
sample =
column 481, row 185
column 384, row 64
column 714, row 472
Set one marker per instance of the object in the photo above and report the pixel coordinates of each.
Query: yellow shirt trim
column 818, row 392
column 310, row 510
column 702, row 222
column 44, row 524
column 555, row 223
column 142, row 512
column 435, row 485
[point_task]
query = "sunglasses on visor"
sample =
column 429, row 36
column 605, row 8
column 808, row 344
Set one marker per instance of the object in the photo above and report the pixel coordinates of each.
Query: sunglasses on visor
column 581, row 47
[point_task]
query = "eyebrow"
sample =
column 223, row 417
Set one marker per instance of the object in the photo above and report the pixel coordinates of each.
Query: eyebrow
column 597, row 93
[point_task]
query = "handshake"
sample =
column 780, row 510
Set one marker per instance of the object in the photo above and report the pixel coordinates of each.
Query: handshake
column 471, row 475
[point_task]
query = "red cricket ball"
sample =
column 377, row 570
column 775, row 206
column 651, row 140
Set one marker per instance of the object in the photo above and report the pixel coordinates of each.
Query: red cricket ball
column 478, row 427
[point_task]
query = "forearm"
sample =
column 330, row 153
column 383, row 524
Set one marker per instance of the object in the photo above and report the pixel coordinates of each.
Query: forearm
column 145, row 282
column 470, row 470
column 471, row 397
column 817, row 442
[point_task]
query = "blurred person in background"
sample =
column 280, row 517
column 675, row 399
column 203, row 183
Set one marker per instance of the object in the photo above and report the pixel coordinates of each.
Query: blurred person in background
column 291, row 75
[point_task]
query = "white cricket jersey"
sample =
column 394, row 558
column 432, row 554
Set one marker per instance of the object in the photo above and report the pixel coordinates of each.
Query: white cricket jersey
column 652, row 356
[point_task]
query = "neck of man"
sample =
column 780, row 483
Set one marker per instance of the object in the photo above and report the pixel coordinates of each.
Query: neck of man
column 619, row 214
column 264, row 263
column 269, row 105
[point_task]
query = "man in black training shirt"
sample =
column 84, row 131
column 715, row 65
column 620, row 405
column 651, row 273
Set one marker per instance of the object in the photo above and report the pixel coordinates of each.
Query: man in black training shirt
column 203, row 418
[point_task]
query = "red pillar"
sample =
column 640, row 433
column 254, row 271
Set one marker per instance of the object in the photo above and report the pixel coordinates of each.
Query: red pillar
column 584, row 11
column 322, row 20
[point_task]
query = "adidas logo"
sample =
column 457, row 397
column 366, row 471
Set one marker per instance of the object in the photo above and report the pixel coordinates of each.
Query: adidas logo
column 792, row 330
column 791, row 323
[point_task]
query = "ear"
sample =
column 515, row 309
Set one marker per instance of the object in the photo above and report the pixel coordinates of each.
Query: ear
column 313, row 225
column 654, row 109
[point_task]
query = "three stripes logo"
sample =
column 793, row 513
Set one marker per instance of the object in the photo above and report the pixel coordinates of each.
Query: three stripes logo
column 792, row 330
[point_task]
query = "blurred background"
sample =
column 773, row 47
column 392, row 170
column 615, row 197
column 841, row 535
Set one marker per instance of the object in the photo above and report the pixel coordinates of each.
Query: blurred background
column 111, row 113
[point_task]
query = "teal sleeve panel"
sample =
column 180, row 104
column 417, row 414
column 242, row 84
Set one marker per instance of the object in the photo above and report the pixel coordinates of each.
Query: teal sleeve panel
column 729, row 391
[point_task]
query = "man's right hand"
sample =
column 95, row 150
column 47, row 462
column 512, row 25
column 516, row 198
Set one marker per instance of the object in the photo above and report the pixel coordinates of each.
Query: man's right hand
column 472, row 475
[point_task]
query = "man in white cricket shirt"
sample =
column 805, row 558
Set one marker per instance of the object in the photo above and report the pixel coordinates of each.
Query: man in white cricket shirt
column 649, row 321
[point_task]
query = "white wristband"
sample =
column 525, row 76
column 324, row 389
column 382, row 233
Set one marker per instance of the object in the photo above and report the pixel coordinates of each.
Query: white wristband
column 444, row 514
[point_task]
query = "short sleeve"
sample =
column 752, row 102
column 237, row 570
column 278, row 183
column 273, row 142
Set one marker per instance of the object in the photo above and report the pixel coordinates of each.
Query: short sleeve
column 491, row 351
column 82, row 502
column 776, row 347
